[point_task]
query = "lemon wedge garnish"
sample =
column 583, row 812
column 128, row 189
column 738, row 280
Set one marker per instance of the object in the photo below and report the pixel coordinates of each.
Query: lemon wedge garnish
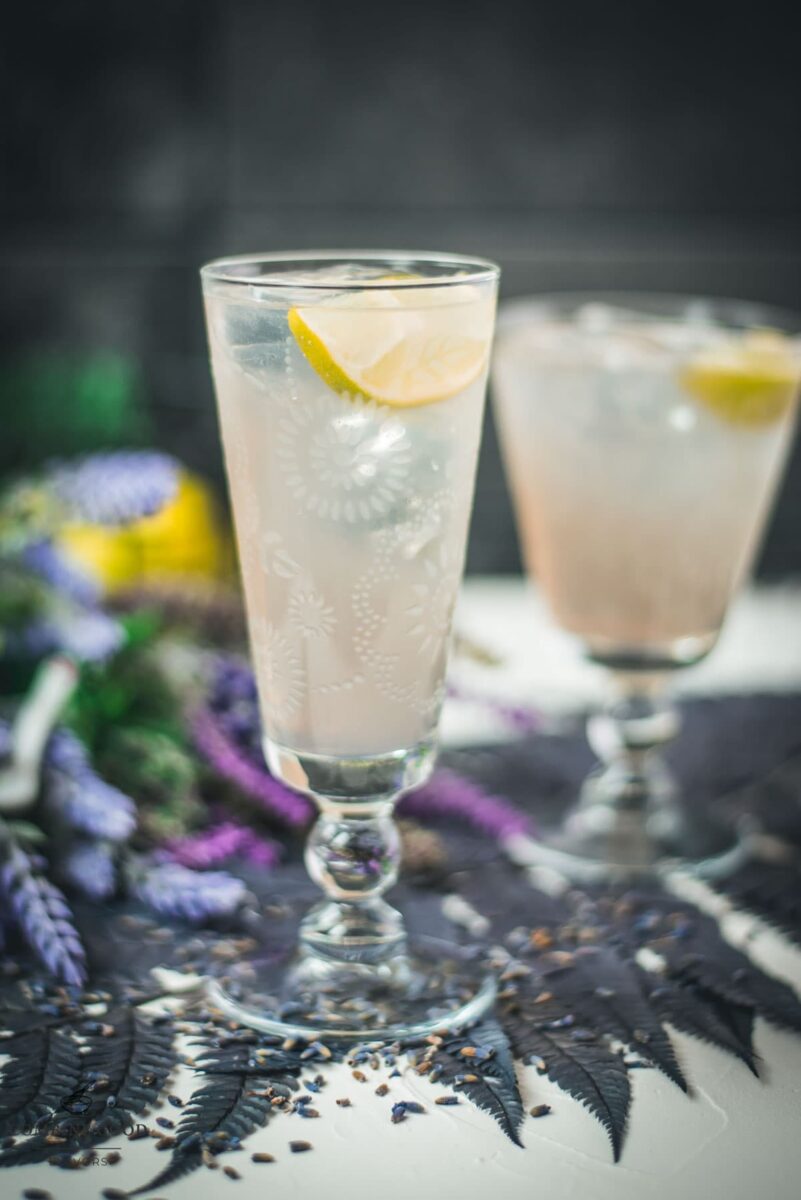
column 400, row 346
column 749, row 382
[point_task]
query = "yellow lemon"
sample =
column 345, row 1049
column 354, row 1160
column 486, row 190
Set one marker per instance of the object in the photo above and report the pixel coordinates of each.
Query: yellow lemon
column 749, row 382
column 400, row 346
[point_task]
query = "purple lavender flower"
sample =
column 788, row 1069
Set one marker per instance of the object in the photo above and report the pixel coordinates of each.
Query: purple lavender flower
column 175, row 891
column 5, row 739
column 91, row 805
column 228, row 760
column 223, row 841
column 43, row 916
column 82, row 798
column 89, row 866
column 518, row 716
column 448, row 794
column 117, row 487
column 89, row 636
column 55, row 567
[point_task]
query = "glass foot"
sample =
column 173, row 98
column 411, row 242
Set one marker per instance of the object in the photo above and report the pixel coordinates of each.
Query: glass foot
column 602, row 844
column 423, row 986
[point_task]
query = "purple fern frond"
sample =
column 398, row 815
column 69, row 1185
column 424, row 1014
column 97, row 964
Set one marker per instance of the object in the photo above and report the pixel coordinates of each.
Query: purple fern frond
column 448, row 794
column 220, row 842
column 222, row 753
column 175, row 891
column 116, row 487
column 55, row 567
column 89, row 867
column 43, row 916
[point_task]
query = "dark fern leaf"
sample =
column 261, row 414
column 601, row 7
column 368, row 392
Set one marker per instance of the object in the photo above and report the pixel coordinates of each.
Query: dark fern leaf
column 771, row 892
column 603, row 991
column 226, row 1108
column 728, row 974
column 583, row 1066
column 488, row 1082
column 136, row 1060
column 44, row 1067
column 704, row 1016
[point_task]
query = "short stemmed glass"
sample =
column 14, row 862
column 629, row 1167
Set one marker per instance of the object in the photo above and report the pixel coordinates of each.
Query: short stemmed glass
column 644, row 438
column 350, row 391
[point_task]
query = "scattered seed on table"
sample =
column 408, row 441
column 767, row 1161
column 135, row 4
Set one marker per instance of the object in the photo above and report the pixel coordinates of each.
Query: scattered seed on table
column 398, row 1112
column 165, row 1122
column 175, row 1101
column 447, row 1100
column 344, row 1102
column 165, row 1143
column 37, row 1194
column 299, row 1147
column 261, row 1157
column 113, row 1157
column 231, row 1172
column 540, row 1110
column 113, row 1194
column 382, row 1090
column 359, row 1076
column 140, row 1131
column 303, row 1111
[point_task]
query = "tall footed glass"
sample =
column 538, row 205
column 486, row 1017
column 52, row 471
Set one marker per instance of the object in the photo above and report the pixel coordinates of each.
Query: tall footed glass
column 644, row 438
column 350, row 390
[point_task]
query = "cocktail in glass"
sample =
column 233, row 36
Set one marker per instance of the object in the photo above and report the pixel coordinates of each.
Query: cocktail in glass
column 350, row 391
column 644, row 438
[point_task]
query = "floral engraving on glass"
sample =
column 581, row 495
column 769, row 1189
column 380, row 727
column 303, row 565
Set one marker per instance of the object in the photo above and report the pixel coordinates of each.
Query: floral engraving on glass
column 347, row 463
column 310, row 615
column 278, row 667
column 434, row 594
column 276, row 559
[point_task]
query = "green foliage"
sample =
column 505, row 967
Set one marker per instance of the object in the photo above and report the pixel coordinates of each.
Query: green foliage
column 64, row 404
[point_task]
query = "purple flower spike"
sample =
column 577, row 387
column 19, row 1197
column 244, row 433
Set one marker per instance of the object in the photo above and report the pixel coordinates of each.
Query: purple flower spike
column 175, row 891
column 82, row 798
column 43, row 916
column 116, row 488
column 92, row 806
column 230, row 762
column 56, row 568
column 90, row 636
column 89, row 866
column 220, row 842
column 449, row 794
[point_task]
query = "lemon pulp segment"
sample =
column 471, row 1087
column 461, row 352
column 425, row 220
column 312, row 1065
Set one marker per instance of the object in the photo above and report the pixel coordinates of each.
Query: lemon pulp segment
column 399, row 346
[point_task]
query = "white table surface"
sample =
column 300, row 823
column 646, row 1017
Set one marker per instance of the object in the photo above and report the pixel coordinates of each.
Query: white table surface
column 736, row 1137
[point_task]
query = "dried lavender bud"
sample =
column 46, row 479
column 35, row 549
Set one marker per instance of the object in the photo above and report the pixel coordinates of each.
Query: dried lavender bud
column 43, row 916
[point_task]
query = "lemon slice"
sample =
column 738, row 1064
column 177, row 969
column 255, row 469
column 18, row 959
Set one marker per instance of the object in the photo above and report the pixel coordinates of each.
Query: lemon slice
column 749, row 382
column 402, row 346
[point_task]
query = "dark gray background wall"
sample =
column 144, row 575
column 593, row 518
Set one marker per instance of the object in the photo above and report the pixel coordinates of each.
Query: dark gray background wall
column 581, row 145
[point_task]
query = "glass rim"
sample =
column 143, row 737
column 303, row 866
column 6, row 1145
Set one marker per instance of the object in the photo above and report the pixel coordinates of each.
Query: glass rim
column 466, row 269
column 731, row 312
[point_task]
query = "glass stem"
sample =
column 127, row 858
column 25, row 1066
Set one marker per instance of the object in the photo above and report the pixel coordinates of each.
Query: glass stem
column 628, row 736
column 354, row 856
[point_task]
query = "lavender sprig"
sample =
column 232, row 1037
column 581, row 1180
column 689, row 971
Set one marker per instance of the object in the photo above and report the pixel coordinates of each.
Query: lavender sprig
column 221, row 842
column 175, row 891
column 518, row 716
column 89, row 866
column 233, row 764
column 55, row 567
column 80, row 797
column 42, row 914
column 448, row 794
column 117, row 487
